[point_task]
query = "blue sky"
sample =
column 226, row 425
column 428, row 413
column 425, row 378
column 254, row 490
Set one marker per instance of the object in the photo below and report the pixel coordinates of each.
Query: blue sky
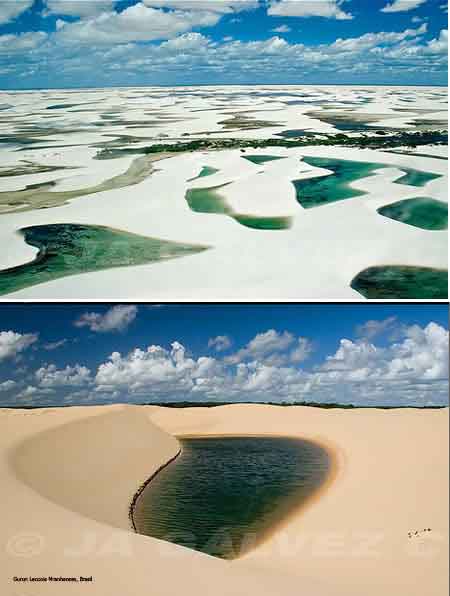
column 77, row 43
column 368, row 354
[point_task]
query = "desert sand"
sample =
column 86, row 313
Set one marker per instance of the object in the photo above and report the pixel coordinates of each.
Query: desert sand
column 68, row 476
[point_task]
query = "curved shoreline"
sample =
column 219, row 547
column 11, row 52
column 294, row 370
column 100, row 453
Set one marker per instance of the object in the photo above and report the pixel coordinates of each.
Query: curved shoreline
column 311, row 498
column 140, row 490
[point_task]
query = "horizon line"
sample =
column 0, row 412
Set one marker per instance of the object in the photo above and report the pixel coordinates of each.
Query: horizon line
column 176, row 85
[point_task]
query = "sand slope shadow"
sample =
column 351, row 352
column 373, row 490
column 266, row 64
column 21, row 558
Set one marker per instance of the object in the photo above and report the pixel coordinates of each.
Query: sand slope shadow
column 93, row 466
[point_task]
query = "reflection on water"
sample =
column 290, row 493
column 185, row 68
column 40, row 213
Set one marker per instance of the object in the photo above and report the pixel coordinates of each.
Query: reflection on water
column 69, row 249
column 223, row 495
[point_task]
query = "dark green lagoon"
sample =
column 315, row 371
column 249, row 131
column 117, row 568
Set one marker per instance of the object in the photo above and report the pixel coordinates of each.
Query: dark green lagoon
column 295, row 133
column 205, row 171
column 70, row 249
column 415, row 177
column 322, row 190
column 62, row 106
column 209, row 200
column 259, row 159
column 421, row 212
column 223, row 495
column 399, row 281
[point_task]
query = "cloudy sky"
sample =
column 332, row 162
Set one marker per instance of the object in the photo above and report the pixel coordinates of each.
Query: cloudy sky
column 366, row 354
column 85, row 43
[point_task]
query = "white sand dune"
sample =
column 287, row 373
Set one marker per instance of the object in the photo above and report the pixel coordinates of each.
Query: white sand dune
column 68, row 476
column 315, row 259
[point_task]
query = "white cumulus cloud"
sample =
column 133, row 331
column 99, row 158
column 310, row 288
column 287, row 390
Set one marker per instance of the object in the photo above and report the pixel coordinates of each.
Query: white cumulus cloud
column 27, row 393
column 331, row 9
column 11, row 9
column 219, row 6
column 402, row 5
column 54, row 345
column 154, row 369
column 281, row 29
column 23, row 42
column 263, row 345
column 439, row 45
column 136, row 23
column 270, row 367
column 117, row 318
column 78, row 8
column 421, row 356
column 73, row 376
column 372, row 328
column 220, row 343
column 7, row 385
column 12, row 343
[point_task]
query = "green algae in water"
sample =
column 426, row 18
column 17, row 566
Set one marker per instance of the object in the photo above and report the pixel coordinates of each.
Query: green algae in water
column 397, row 281
column 223, row 495
column 264, row 223
column 208, row 200
column 259, row 159
column 205, row 171
column 421, row 212
column 71, row 249
column 322, row 190
column 415, row 177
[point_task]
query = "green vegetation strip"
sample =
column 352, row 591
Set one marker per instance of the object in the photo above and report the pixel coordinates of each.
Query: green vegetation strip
column 387, row 141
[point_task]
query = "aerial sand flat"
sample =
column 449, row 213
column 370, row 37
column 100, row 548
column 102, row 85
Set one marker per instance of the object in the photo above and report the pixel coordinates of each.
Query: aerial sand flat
column 325, row 246
column 68, row 476
column 69, row 159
